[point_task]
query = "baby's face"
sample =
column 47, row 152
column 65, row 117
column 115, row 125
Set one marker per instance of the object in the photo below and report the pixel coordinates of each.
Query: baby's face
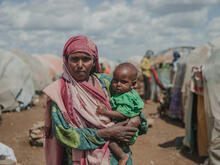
column 122, row 81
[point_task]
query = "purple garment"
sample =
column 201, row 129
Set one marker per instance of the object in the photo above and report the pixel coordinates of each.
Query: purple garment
column 176, row 108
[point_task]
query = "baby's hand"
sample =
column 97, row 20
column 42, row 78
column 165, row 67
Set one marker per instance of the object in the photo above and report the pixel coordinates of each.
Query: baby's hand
column 101, row 109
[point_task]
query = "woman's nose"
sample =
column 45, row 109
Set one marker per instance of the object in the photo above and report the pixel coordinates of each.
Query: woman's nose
column 80, row 63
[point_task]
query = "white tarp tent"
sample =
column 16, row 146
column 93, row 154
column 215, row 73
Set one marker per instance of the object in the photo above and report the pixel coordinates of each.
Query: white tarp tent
column 40, row 74
column 207, row 56
column 16, row 85
column 211, row 76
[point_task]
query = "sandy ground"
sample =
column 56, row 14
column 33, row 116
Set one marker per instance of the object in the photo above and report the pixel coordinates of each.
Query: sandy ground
column 160, row 146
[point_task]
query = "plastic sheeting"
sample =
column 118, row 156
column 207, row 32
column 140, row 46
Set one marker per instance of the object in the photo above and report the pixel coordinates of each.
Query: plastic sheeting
column 16, row 85
column 167, row 57
column 211, row 74
column 7, row 152
column 209, row 57
column 52, row 63
column 40, row 74
column 164, row 75
column 197, row 58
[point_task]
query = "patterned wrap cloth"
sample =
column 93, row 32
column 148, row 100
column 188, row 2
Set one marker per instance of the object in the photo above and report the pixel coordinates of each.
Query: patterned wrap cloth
column 77, row 102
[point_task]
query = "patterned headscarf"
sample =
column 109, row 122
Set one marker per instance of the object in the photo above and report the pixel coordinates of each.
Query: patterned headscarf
column 81, row 44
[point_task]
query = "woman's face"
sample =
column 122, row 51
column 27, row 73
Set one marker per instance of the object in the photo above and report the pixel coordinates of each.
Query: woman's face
column 80, row 65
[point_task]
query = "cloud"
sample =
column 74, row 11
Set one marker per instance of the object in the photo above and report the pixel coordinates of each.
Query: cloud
column 193, row 19
column 161, row 7
column 213, row 28
column 120, row 29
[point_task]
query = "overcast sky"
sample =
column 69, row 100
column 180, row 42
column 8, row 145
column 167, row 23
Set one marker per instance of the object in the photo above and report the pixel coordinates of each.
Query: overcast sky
column 120, row 28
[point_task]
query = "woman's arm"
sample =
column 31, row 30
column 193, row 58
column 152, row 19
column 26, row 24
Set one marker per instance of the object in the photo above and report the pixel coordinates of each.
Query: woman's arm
column 87, row 138
column 82, row 139
column 119, row 132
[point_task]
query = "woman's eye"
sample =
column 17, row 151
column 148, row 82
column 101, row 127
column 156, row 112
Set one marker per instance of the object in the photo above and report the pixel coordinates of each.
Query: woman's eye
column 86, row 59
column 74, row 59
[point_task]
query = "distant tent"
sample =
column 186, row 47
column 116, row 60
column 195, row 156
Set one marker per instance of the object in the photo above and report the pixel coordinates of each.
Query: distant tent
column 16, row 85
column 40, row 74
column 136, row 61
column 56, row 61
column 196, row 58
column 52, row 63
column 106, row 62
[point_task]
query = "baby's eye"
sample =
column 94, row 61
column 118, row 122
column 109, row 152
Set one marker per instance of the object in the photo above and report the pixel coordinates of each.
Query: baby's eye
column 124, row 82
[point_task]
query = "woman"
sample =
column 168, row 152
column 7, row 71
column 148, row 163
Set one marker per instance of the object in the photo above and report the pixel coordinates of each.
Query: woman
column 145, row 67
column 74, row 134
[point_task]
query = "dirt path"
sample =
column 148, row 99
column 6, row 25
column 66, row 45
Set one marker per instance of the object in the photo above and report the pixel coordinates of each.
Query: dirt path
column 157, row 147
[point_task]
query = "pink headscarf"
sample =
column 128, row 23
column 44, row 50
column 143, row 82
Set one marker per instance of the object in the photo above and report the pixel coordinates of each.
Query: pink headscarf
column 81, row 44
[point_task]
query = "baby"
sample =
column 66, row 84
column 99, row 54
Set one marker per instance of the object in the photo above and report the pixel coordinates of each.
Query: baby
column 125, row 102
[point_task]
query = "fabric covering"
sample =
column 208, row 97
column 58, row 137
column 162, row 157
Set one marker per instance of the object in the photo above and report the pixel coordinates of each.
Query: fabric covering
column 202, row 135
column 16, row 85
column 7, row 152
column 207, row 56
column 77, row 102
column 82, row 139
column 211, row 81
column 176, row 105
column 129, row 104
column 76, row 154
column 81, row 44
column 40, row 74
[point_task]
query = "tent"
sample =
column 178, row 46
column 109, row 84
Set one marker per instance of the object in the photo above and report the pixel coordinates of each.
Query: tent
column 136, row 61
column 198, row 93
column 211, row 76
column 56, row 61
column 16, row 85
column 110, row 64
column 52, row 63
column 40, row 74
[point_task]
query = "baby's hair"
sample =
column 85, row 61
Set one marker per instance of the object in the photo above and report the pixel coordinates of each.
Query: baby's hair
column 132, row 69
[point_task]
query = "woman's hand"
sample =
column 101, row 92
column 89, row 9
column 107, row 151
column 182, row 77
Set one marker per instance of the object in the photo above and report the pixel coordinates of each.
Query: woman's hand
column 120, row 132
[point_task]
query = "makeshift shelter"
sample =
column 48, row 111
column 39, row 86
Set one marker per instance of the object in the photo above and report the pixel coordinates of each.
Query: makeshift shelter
column 40, row 74
column 211, row 83
column 199, row 119
column 52, row 63
column 56, row 61
column 136, row 61
column 166, row 57
column 16, row 85
column 108, row 63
